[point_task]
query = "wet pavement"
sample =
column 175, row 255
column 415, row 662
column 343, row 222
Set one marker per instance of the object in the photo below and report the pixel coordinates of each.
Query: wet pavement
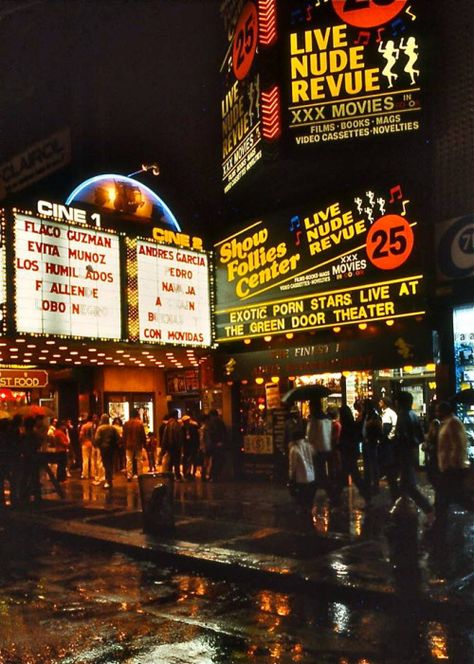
column 79, row 604
column 251, row 532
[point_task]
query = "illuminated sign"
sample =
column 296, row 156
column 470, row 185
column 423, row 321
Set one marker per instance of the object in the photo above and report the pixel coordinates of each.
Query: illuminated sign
column 341, row 263
column 173, row 295
column 3, row 275
column 23, row 378
column 381, row 348
column 122, row 198
column 67, row 279
column 240, row 105
column 353, row 69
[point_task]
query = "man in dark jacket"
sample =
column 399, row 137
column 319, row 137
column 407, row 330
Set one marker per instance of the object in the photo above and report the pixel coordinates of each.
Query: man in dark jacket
column 189, row 444
column 408, row 437
column 217, row 432
column 171, row 444
column 134, row 440
column 107, row 440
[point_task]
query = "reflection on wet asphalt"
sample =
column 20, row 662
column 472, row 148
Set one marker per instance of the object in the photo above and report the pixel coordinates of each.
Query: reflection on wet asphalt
column 75, row 606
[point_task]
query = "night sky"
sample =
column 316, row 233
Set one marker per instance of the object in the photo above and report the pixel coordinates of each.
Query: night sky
column 136, row 81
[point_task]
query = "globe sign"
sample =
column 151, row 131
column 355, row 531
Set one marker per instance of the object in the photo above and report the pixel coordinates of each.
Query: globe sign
column 123, row 196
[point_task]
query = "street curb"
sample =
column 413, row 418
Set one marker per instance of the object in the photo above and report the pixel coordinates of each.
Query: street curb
column 276, row 572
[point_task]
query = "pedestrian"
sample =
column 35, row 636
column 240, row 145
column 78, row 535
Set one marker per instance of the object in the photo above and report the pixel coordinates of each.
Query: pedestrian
column 217, row 432
column 14, row 457
column 386, row 456
column 107, row 440
column 97, row 467
column 161, row 461
column 4, row 461
column 171, row 444
column 50, row 434
column 151, row 448
column 430, row 447
column 452, row 462
column 204, row 454
column 134, row 439
column 371, row 437
column 61, row 448
column 189, row 445
column 30, row 444
column 301, row 470
column 86, row 436
column 349, row 448
column 319, row 435
column 120, row 462
column 408, row 437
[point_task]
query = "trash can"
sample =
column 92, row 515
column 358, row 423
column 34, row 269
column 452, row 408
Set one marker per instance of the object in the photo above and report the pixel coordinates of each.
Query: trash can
column 156, row 496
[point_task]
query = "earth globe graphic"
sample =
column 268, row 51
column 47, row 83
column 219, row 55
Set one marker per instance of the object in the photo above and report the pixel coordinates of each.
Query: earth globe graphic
column 122, row 195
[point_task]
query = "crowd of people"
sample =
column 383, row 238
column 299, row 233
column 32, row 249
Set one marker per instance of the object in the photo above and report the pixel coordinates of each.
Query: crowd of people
column 101, row 448
column 183, row 446
column 325, row 450
column 374, row 441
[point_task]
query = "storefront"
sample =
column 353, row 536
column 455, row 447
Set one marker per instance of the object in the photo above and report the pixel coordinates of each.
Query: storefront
column 455, row 307
column 102, row 297
column 373, row 363
column 331, row 293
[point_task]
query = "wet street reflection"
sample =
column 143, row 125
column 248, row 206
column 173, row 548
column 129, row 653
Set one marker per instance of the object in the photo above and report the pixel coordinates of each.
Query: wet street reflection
column 60, row 603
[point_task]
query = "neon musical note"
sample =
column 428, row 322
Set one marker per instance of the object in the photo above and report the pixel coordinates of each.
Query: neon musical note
column 395, row 194
column 379, row 32
column 410, row 13
column 298, row 235
column 397, row 26
column 404, row 206
column 296, row 16
column 295, row 223
column 309, row 12
column 363, row 38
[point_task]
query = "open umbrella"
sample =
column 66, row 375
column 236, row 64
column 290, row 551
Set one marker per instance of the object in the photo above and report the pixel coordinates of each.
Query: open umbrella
column 33, row 410
column 465, row 397
column 306, row 393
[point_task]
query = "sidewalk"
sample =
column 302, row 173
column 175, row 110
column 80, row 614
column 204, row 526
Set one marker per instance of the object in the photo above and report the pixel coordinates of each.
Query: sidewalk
column 250, row 530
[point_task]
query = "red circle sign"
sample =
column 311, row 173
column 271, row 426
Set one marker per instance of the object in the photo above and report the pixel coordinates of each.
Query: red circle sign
column 245, row 41
column 367, row 13
column 389, row 242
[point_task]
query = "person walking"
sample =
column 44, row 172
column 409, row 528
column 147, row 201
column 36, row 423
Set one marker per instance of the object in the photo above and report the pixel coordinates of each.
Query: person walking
column 151, row 449
column 171, row 444
column 408, row 437
column 134, row 439
column 349, row 442
column 319, row 435
column 386, row 456
column 452, row 462
column 371, row 437
column 86, row 436
column 30, row 444
column 61, row 447
column 189, row 445
column 217, row 432
column 106, row 440
column 301, row 470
